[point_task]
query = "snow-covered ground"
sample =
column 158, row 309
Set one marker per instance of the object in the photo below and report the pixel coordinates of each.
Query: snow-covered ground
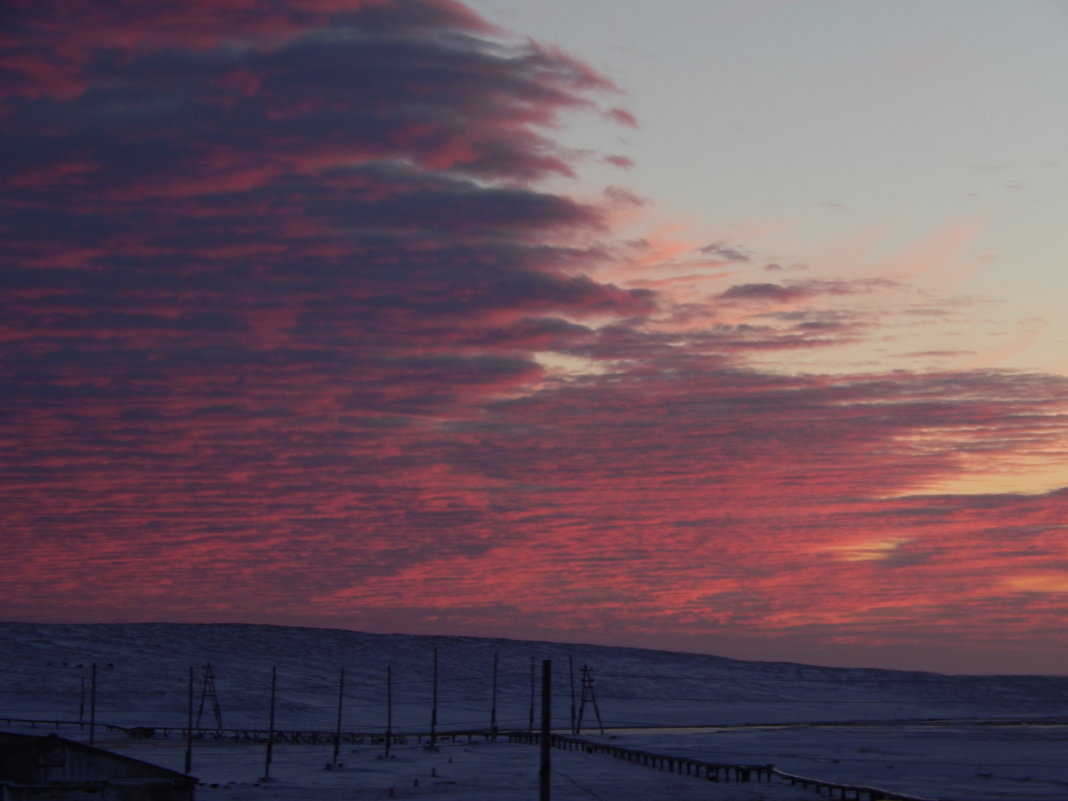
column 459, row 772
column 958, row 737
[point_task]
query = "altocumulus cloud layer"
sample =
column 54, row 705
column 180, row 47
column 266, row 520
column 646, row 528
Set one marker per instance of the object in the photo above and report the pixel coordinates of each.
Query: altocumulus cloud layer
column 285, row 298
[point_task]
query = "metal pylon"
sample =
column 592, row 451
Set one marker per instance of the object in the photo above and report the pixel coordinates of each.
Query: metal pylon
column 588, row 697
column 208, row 694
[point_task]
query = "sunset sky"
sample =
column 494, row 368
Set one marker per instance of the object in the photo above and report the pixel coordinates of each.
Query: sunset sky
column 729, row 326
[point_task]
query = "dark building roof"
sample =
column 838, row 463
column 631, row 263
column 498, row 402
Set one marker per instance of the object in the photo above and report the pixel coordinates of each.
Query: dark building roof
column 35, row 759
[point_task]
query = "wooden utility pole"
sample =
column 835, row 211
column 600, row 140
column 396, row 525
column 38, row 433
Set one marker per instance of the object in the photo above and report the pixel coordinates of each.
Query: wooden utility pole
column 545, row 772
column 270, row 726
column 189, row 727
column 340, row 701
column 389, row 708
column 92, row 705
column 493, row 702
column 530, row 718
column 434, row 704
column 571, row 675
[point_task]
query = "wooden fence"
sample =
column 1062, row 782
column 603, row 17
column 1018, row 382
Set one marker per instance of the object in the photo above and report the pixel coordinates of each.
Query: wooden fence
column 716, row 771
column 853, row 792
column 713, row 771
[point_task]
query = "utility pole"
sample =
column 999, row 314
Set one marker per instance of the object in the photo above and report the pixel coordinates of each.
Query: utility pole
column 545, row 771
column 493, row 702
column 571, row 676
column 389, row 707
column 340, row 701
column 189, row 727
column 434, row 704
column 270, row 727
column 92, row 705
column 530, row 718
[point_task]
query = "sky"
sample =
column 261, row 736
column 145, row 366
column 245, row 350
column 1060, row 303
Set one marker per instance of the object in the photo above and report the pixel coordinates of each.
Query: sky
column 734, row 329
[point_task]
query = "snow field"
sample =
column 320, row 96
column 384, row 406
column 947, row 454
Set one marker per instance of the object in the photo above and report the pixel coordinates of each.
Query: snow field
column 482, row 771
column 923, row 734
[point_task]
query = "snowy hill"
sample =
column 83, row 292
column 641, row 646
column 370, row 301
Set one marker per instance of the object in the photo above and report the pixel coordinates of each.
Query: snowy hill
column 143, row 669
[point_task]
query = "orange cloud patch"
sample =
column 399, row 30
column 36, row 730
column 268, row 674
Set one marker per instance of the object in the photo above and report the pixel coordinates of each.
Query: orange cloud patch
column 1045, row 583
column 870, row 551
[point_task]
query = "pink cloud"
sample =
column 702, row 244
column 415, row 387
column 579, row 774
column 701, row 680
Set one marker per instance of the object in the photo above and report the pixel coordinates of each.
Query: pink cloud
column 622, row 116
column 304, row 345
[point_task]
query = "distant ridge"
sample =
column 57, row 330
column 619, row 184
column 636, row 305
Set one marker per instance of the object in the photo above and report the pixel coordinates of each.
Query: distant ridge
column 143, row 675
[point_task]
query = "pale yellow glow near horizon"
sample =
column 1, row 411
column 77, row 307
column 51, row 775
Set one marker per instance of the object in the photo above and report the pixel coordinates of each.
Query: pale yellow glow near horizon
column 1037, row 481
column 1021, row 473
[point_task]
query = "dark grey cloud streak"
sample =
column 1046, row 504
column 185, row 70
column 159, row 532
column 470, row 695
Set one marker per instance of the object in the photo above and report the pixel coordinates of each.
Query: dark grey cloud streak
column 351, row 176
